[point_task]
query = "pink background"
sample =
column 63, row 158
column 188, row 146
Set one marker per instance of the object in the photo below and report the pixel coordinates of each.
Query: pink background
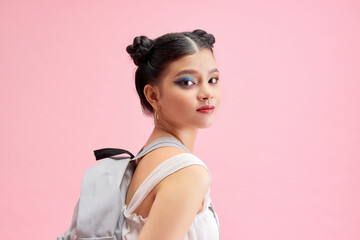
column 284, row 150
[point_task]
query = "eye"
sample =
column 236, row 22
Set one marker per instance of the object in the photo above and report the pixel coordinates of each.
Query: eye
column 185, row 82
column 216, row 79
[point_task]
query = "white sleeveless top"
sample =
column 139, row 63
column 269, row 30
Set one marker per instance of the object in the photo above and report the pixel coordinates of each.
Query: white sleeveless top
column 204, row 226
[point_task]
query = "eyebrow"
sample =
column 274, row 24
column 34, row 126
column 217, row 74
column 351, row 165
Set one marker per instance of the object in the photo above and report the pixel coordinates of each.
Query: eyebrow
column 191, row 71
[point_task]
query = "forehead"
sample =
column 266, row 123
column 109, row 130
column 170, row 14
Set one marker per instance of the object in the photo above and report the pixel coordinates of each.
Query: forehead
column 201, row 61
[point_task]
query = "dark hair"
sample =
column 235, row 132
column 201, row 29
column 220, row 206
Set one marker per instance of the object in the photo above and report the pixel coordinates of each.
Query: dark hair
column 152, row 56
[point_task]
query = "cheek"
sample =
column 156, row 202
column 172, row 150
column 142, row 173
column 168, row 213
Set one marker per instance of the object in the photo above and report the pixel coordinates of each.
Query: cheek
column 179, row 103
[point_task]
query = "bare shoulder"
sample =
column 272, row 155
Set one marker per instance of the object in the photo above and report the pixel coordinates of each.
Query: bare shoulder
column 144, row 168
column 194, row 176
column 177, row 201
column 152, row 160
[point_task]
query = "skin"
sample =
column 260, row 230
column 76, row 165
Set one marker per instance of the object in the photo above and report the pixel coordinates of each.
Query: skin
column 172, row 205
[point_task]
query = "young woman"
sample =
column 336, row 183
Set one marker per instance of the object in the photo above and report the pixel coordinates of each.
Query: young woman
column 178, row 83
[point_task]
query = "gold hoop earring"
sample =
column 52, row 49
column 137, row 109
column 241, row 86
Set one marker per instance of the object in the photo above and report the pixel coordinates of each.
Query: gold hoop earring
column 157, row 113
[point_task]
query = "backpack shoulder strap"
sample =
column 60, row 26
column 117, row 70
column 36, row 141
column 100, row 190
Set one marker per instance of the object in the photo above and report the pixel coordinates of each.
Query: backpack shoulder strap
column 160, row 142
column 164, row 169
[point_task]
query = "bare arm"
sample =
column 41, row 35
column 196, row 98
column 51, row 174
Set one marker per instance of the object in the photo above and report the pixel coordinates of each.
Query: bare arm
column 176, row 204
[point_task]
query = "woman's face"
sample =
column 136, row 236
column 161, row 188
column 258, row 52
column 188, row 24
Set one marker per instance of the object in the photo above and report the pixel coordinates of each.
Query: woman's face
column 188, row 84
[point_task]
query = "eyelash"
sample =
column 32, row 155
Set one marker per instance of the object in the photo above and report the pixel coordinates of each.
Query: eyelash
column 188, row 79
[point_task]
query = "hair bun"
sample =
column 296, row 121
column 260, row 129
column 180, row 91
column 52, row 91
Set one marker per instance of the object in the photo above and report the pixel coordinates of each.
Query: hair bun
column 206, row 37
column 140, row 49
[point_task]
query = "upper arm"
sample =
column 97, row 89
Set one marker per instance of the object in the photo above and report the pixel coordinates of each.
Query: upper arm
column 176, row 204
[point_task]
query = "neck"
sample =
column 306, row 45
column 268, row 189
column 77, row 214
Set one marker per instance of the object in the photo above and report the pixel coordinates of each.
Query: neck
column 186, row 136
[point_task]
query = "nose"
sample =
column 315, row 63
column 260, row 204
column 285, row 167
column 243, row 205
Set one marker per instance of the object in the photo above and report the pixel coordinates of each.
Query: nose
column 206, row 94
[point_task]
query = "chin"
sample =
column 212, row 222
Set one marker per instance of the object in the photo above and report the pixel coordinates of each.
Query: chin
column 205, row 124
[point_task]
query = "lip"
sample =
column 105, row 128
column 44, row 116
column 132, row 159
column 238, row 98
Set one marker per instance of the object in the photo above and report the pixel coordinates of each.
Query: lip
column 206, row 109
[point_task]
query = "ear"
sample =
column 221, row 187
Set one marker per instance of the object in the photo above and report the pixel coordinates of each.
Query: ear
column 152, row 94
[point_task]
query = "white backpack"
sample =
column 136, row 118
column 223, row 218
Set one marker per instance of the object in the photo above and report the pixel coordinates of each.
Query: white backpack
column 99, row 212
